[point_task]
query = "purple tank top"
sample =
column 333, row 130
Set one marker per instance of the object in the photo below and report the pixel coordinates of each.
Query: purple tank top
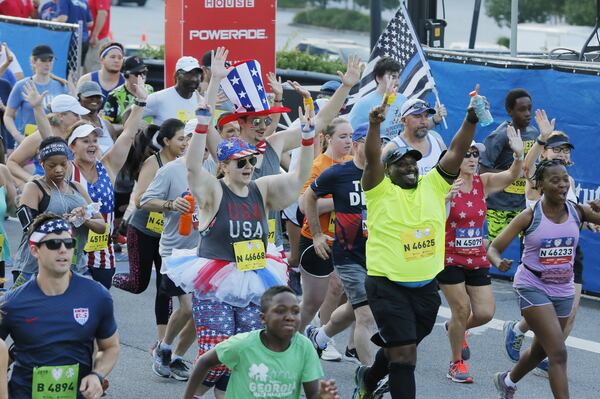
column 549, row 252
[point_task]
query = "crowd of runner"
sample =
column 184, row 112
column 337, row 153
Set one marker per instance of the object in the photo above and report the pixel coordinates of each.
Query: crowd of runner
column 205, row 184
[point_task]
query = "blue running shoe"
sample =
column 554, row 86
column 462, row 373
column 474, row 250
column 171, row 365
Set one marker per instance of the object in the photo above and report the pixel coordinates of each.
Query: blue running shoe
column 512, row 341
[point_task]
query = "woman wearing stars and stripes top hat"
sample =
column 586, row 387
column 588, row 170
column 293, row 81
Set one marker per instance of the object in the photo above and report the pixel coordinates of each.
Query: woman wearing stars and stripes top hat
column 465, row 279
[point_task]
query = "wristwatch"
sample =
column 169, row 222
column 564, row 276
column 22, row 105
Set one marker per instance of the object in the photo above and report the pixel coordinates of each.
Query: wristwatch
column 540, row 142
column 97, row 374
column 139, row 103
column 518, row 157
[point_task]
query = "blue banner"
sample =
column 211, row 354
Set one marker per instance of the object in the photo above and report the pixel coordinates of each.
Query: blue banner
column 571, row 98
column 21, row 39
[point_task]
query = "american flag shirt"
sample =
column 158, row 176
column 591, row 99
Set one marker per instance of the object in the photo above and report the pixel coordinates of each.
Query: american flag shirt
column 101, row 191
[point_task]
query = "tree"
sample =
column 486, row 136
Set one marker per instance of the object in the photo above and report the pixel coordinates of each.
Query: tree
column 386, row 4
column 529, row 10
column 580, row 12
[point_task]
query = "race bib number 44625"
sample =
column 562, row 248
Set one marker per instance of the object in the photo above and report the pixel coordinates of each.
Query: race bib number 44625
column 418, row 243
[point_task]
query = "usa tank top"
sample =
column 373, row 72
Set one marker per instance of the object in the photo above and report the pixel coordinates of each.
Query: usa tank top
column 464, row 229
column 100, row 191
column 237, row 219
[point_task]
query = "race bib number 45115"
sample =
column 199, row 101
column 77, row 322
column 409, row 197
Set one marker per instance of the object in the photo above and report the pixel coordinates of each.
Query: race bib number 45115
column 418, row 243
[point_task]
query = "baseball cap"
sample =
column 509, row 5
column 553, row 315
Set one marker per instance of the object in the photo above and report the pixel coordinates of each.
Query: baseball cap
column 187, row 63
column 89, row 88
column 65, row 102
column 329, row 87
column 557, row 140
column 83, row 131
column 360, row 132
column 42, row 50
column 234, row 148
column 415, row 106
column 479, row 146
column 398, row 153
column 134, row 64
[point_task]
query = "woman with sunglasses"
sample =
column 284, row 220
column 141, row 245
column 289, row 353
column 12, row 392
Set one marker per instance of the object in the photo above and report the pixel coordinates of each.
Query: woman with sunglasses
column 234, row 264
column 465, row 279
column 53, row 192
column 550, row 145
column 42, row 62
column 66, row 110
column 145, row 228
column 98, row 177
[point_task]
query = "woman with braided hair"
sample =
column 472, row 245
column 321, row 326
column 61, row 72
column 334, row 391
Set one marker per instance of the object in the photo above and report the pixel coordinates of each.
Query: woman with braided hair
column 544, row 280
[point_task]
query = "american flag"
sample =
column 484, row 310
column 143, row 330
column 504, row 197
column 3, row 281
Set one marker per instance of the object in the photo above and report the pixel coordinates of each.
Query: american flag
column 399, row 41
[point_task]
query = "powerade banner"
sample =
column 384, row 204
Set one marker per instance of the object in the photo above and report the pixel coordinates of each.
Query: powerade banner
column 571, row 98
column 21, row 39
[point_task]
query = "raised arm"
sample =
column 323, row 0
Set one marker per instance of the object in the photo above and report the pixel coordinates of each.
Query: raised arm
column 500, row 243
column 217, row 72
column 277, row 88
column 494, row 182
column 283, row 189
column 115, row 157
column 546, row 128
column 35, row 99
column 374, row 170
column 452, row 159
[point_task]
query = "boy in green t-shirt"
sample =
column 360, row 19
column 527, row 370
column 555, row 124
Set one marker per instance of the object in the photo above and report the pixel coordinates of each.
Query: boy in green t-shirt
column 268, row 363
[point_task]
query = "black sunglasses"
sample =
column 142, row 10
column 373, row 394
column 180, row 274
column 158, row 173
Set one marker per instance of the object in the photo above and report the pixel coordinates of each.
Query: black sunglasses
column 241, row 163
column 474, row 154
column 55, row 243
column 140, row 73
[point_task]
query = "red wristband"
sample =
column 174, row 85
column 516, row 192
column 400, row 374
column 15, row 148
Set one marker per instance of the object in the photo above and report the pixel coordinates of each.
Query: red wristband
column 307, row 142
column 201, row 129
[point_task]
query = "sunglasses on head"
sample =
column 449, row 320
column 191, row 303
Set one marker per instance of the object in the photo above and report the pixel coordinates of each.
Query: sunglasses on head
column 55, row 243
column 241, row 163
column 257, row 121
column 474, row 154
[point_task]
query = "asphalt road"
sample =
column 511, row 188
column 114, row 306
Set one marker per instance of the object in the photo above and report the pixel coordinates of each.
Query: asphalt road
column 133, row 378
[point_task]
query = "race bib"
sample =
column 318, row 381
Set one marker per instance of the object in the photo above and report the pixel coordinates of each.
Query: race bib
column 468, row 241
column 97, row 242
column 184, row 115
column 271, row 223
column 1, row 246
column 55, row 382
column 364, row 223
column 250, row 255
column 556, row 251
column 156, row 222
column 517, row 187
column 331, row 227
column 29, row 129
column 418, row 243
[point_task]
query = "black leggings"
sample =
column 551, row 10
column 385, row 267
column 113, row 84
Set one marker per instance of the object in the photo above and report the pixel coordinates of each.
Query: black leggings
column 143, row 252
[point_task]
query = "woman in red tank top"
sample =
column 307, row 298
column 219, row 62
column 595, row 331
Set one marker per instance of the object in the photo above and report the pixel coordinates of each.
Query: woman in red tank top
column 465, row 279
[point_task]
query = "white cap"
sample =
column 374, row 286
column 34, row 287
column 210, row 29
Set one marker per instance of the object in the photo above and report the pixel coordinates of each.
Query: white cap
column 187, row 63
column 65, row 102
column 83, row 131
column 479, row 146
column 190, row 126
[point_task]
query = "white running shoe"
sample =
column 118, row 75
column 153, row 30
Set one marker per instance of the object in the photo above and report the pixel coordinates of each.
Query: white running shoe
column 330, row 353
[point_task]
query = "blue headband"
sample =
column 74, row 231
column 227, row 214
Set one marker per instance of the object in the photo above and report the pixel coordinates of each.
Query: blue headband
column 106, row 50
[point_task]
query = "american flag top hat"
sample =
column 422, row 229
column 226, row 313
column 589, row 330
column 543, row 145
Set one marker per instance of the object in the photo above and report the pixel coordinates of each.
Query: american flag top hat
column 244, row 87
column 234, row 148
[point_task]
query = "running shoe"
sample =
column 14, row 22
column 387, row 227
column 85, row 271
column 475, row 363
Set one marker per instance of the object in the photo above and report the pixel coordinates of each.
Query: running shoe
column 311, row 333
column 351, row 355
column 330, row 353
column 162, row 359
column 504, row 391
column 179, row 370
column 383, row 386
column 360, row 389
column 459, row 372
column 512, row 341
column 465, row 354
column 542, row 368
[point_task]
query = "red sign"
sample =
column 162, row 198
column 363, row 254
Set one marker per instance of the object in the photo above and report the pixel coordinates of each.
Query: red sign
column 245, row 27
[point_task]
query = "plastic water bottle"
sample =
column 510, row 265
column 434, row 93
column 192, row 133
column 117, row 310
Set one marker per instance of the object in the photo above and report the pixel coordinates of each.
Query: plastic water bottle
column 185, row 220
column 483, row 114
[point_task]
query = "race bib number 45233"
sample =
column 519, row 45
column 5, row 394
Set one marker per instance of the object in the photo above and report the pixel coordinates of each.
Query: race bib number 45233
column 418, row 243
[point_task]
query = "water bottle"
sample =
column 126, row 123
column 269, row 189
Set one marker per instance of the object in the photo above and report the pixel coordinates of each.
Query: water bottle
column 185, row 219
column 204, row 117
column 483, row 114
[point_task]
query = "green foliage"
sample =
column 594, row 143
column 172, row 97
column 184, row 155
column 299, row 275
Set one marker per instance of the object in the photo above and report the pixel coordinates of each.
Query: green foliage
column 387, row 4
column 307, row 62
column 291, row 3
column 580, row 12
column 577, row 12
column 503, row 41
column 153, row 52
column 336, row 18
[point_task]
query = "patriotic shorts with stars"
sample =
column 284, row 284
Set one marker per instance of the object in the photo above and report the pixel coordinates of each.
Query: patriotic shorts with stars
column 217, row 321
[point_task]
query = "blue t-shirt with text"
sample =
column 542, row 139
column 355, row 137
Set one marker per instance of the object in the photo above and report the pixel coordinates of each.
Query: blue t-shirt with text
column 391, row 127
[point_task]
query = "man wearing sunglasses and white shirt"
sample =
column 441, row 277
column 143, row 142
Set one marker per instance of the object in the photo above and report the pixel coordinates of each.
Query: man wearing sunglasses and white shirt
column 54, row 320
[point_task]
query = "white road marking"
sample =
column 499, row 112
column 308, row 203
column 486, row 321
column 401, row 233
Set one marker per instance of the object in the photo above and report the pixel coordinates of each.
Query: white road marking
column 496, row 324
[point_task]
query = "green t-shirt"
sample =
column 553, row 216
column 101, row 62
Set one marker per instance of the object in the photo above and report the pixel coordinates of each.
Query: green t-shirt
column 258, row 372
column 407, row 229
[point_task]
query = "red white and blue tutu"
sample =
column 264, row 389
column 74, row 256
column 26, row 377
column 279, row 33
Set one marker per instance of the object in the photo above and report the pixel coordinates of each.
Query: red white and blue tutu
column 220, row 280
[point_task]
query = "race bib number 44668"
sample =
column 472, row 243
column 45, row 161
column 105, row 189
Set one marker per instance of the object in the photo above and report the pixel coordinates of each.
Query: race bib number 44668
column 418, row 243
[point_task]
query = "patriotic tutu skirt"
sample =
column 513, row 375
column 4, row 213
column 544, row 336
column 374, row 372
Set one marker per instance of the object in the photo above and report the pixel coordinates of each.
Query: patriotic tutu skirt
column 220, row 280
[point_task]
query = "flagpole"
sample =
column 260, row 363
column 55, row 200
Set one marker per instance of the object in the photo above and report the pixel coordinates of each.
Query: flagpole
column 437, row 100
